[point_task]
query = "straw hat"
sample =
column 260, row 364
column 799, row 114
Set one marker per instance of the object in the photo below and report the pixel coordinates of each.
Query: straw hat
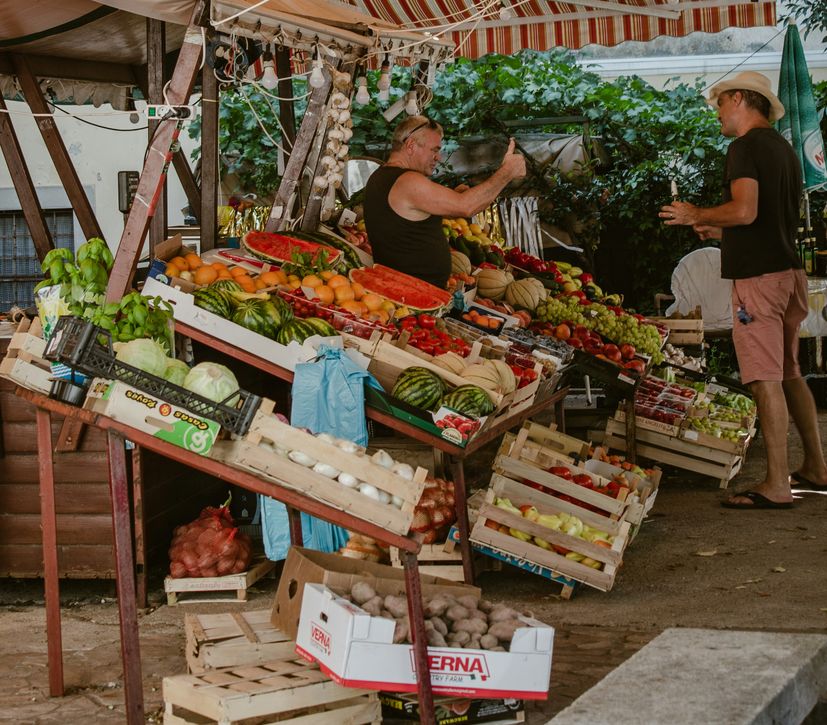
column 748, row 80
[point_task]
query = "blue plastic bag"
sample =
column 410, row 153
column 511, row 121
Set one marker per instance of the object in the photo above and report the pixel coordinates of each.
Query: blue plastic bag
column 328, row 397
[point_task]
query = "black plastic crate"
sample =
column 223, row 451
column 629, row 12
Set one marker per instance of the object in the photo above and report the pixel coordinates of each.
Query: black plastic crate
column 621, row 381
column 79, row 345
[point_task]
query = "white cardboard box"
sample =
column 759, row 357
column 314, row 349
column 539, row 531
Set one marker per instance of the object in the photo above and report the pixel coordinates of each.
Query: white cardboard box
column 152, row 415
column 356, row 650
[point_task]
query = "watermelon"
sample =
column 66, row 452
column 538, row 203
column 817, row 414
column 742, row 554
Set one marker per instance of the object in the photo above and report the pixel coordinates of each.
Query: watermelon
column 322, row 327
column 279, row 248
column 419, row 387
column 227, row 285
column 298, row 330
column 400, row 288
column 253, row 315
column 278, row 311
column 213, row 300
column 470, row 400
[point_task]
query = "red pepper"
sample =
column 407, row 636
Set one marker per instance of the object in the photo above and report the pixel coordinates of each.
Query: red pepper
column 426, row 321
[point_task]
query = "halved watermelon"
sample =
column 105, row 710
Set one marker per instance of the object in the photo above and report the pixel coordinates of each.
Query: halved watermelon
column 279, row 248
column 400, row 288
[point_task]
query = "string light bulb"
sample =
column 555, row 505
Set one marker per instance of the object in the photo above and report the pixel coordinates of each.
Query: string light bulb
column 411, row 108
column 317, row 77
column 384, row 82
column 362, row 95
column 269, row 79
column 505, row 12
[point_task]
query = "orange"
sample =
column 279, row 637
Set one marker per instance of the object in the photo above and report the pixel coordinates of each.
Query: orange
column 224, row 274
column 273, row 277
column 218, row 266
column 373, row 302
column 193, row 260
column 327, row 274
column 343, row 293
column 326, row 294
column 246, row 282
column 338, row 280
column 259, row 283
column 172, row 270
column 238, row 271
column 357, row 308
column 205, row 275
column 378, row 316
column 180, row 262
column 358, row 291
column 294, row 283
column 311, row 280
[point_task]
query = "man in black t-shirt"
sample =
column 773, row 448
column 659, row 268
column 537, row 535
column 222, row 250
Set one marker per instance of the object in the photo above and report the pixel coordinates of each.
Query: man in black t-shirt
column 404, row 208
column 756, row 225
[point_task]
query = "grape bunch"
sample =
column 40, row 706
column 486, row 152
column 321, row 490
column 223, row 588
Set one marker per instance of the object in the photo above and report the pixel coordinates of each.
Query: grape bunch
column 711, row 427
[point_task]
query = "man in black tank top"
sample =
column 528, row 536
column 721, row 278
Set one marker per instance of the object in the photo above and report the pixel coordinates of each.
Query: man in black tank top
column 756, row 225
column 404, row 208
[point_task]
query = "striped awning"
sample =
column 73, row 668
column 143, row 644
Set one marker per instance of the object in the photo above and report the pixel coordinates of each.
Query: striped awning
column 478, row 27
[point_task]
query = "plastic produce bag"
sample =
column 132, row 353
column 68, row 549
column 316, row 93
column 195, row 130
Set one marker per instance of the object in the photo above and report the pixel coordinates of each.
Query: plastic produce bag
column 328, row 397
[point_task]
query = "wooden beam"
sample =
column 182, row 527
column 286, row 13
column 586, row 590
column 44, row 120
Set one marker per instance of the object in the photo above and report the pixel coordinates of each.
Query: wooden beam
column 286, row 195
column 155, row 52
column 209, row 158
column 188, row 182
column 57, row 149
column 287, row 109
column 43, row 66
column 22, row 180
column 157, row 160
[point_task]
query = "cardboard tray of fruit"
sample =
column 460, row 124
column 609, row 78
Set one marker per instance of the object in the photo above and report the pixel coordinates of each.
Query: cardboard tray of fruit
column 548, row 531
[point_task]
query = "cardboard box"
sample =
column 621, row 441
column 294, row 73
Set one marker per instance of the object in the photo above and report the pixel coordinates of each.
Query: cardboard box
column 356, row 650
column 305, row 566
column 152, row 415
column 451, row 710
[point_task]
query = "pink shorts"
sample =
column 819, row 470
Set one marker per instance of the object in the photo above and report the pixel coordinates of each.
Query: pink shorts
column 767, row 346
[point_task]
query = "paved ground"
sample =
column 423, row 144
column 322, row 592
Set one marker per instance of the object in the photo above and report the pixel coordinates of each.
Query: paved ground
column 693, row 564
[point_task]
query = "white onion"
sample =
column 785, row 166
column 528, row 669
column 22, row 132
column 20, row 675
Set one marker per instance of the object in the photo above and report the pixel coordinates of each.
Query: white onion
column 325, row 469
column 369, row 490
column 382, row 458
column 384, row 496
column 326, row 437
column 348, row 446
column 397, row 501
column 301, row 458
column 403, row 470
column 348, row 480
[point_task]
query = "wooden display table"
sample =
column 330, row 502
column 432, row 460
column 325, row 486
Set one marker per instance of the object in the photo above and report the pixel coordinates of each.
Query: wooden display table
column 124, row 555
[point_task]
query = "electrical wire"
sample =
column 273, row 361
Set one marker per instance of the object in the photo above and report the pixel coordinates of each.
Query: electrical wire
column 736, row 67
column 89, row 123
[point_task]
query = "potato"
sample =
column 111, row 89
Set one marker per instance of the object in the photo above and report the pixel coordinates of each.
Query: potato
column 458, row 639
column 472, row 626
column 401, row 631
column 362, row 592
column 488, row 641
column 485, row 606
column 396, row 605
column 435, row 639
column 501, row 613
column 473, row 643
column 469, row 601
column 477, row 614
column 436, row 607
column 504, row 631
column 373, row 606
column 439, row 625
column 456, row 612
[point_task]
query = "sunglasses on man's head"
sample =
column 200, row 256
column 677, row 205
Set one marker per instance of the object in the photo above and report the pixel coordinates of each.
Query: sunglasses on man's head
column 429, row 123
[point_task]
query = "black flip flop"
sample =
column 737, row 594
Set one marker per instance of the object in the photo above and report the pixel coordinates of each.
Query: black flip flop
column 759, row 501
column 807, row 483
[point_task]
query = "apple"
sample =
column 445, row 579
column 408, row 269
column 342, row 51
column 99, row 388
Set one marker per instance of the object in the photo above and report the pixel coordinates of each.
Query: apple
column 612, row 352
column 575, row 343
column 637, row 365
column 627, row 350
column 581, row 333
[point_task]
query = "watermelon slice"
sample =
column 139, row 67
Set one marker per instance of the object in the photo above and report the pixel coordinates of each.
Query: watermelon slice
column 400, row 288
column 279, row 248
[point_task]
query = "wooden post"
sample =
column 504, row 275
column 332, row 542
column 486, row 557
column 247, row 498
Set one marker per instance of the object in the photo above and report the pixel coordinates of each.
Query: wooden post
column 285, row 196
column 187, row 179
column 209, row 158
column 23, row 185
column 287, row 109
column 57, row 149
column 157, row 160
column 155, row 55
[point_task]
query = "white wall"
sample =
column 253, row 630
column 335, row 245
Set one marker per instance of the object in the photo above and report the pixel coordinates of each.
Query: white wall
column 97, row 155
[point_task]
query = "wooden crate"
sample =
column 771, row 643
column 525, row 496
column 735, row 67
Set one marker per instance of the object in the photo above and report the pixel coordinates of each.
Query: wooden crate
column 643, row 489
column 285, row 690
column 550, row 437
column 205, row 589
column 230, row 639
column 688, row 455
column 682, row 332
column 24, row 364
column 442, row 560
column 257, row 453
column 519, row 494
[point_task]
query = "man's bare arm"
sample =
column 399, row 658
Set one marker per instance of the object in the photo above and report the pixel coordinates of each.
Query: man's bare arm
column 740, row 211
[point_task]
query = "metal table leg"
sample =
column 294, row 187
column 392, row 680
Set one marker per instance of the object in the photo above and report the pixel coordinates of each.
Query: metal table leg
column 420, row 643
column 125, row 578
column 461, row 505
column 48, row 523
